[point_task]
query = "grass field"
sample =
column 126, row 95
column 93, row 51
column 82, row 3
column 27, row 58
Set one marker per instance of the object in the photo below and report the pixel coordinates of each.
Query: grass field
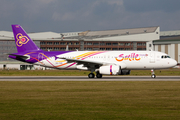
column 170, row 72
column 89, row 100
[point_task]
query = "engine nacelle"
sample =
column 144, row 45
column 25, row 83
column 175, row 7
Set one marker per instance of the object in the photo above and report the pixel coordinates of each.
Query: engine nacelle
column 110, row 70
column 113, row 70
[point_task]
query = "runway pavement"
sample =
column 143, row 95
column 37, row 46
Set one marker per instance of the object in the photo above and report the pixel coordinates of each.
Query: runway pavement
column 85, row 78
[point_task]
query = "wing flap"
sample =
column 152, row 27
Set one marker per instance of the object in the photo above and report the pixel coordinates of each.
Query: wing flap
column 78, row 61
column 93, row 64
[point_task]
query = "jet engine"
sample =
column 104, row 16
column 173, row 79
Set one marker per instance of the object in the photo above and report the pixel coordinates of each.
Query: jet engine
column 110, row 70
column 113, row 70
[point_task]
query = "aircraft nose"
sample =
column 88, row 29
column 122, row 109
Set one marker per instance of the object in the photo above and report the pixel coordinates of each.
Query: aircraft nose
column 173, row 63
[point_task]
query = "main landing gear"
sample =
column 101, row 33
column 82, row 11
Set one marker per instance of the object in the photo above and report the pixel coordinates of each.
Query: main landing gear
column 98, row 75
column 153, row 74
column 91, row 75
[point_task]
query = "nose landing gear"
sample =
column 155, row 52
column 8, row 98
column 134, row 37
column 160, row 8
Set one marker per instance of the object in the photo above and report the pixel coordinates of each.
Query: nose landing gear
column 153, row 74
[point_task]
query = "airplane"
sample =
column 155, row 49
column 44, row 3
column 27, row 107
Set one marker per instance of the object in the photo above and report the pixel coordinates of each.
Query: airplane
column 100, row 62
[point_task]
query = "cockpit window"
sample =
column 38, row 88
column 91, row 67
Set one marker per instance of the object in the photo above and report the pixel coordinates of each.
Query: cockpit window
column 165, row 56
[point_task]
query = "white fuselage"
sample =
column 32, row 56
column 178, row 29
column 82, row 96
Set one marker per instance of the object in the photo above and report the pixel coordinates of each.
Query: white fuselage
column 126, row 59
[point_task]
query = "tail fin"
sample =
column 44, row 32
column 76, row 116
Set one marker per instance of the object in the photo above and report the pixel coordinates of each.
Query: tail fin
column 22, row 40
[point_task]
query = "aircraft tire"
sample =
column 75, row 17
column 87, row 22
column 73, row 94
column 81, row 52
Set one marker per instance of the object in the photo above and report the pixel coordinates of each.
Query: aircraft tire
column 153, row 76
column 91, row 75
column 99, row 75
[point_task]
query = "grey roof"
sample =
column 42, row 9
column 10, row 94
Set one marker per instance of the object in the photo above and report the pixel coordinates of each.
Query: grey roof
column 123, row 31
column 112, row 33
column 168, row 40
column 6, row 35
column 170, row 33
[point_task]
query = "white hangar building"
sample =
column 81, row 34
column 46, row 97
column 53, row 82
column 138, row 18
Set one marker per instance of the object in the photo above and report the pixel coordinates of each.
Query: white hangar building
column 169, row 43
column 148, row 38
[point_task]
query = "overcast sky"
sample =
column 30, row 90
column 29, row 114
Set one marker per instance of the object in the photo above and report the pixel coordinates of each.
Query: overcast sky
column 81, row 15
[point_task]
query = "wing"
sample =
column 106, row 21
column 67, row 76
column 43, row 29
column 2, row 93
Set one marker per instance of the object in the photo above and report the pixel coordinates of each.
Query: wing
column 90, row 64
column 86, row 63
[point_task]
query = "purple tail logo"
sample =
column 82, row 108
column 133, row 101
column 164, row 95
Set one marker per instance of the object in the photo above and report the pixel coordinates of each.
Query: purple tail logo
column 21, row 40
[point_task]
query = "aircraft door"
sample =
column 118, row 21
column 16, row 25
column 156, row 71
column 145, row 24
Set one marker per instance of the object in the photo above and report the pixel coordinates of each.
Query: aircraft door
column 152, row 57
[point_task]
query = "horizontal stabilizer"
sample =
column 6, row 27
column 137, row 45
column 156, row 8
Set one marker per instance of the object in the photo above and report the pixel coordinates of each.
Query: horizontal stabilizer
column 20, row 56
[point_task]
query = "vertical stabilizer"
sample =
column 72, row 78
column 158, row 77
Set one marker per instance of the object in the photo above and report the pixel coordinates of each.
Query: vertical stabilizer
column 22, row 40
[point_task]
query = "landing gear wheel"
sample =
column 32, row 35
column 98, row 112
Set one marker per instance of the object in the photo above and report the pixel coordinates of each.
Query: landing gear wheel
column 91, row 75
column 98, row 75
column 153, row 76
column 153, row 73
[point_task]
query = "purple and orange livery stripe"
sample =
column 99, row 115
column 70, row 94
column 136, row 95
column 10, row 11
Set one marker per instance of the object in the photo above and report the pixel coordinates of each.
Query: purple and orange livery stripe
column 86, row 55
column 110, row 69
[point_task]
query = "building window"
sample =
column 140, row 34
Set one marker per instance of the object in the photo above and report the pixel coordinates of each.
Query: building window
column 89, row 43
column 69, row 43
column 102, row 48
column 102, row 43
column 96, row 49
column 149, row 45
column 121, row 44
column 95, row 43
column 62, row 48
column 127, row 48
column 114, row 49
column 70, row 48
column 115, row 44
column 139, row 49
column 108, row 48
column 89, row 48
column 63, row 43
column 56, row 48
column 49, row 48
column 139, row 44
column 49, row 43
column 121, row 48
column 56, row 43
column 76, row 49
column 108, row 43
column 76, row 43
column 127, row 44
column 43, row 43
column 43, row 48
